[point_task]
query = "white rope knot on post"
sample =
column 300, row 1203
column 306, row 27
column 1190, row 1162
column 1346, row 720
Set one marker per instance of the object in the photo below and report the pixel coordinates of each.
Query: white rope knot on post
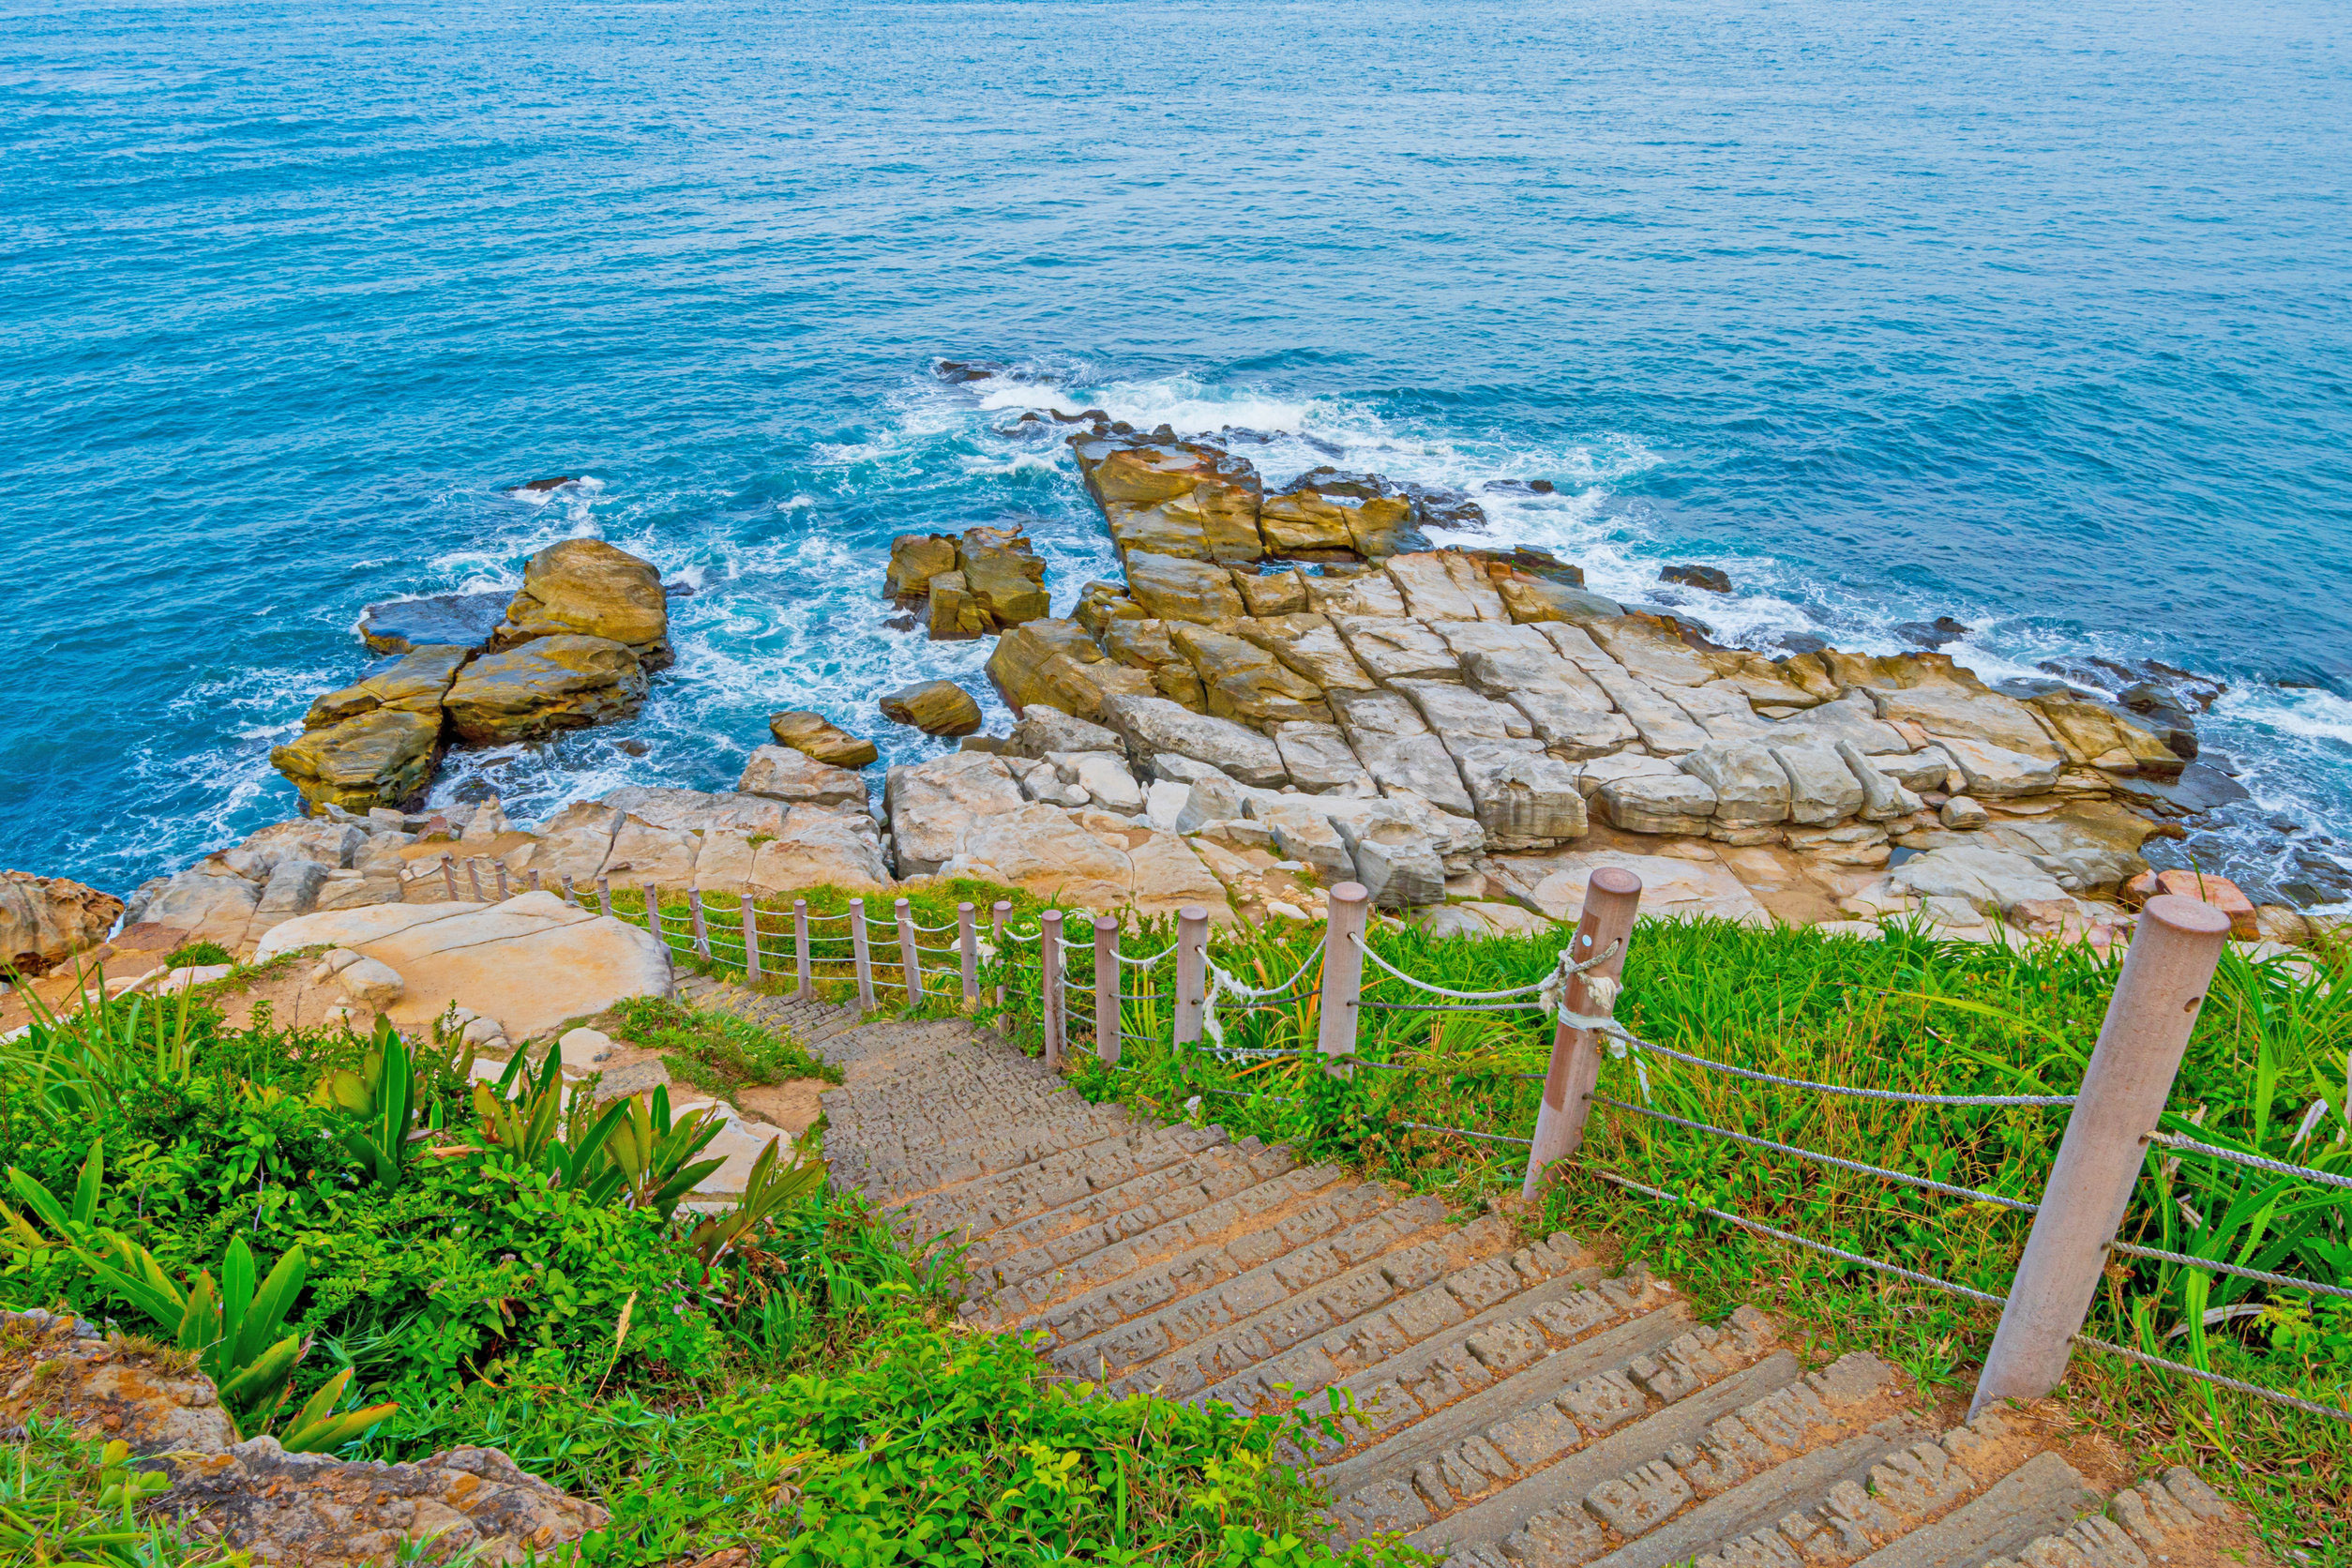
column 1601, row 988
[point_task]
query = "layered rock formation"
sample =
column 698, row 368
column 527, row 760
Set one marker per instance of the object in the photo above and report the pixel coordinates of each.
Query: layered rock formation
column 982, row 583
column 573, row 648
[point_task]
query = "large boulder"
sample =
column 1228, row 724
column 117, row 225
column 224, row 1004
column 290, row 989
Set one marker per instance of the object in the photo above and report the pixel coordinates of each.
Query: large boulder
column 549, row 685
column 915, row 559
column 1005, row 577
column 46, row 920
column 2102, row 738
column 1056, row 663
column 817, row 847
column 932, row 803
column 1989, row 879
column 1524, row 799
column 701, row 811
column 1044, row 730
column 588, row 588
column 934, row 707
column 1533, row 600
column 531, row 962
column 817, row 736
column 785, row 774
column 383, row 756
column 1327, row 514
column 210, row 901
column 1041, row 850
column 1153, row 725
column 1671, row 887
column 1321, row 761
column 1446, row 585
column 1658, row 803
column 1749, row 785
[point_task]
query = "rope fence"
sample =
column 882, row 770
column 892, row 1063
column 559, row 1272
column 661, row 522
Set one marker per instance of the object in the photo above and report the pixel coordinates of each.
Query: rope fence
column 1313, row 1023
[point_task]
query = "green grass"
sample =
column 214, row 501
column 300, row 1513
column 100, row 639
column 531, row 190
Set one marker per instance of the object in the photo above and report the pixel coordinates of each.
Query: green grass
column 808, row 1394
column 1908, row 1014
column 65, row 1500
column 717, row 1052
column 196, row 953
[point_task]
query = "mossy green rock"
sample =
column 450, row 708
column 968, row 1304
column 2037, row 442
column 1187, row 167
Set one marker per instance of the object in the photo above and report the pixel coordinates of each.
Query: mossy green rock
column 548, row 685
column 382, row 757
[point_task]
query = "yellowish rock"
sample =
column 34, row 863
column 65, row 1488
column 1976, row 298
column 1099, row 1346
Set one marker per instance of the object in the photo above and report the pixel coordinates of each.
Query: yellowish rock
column 546, row 686
column 383, row 756
column 934, row 707
column 817, row 736
column 588, row 588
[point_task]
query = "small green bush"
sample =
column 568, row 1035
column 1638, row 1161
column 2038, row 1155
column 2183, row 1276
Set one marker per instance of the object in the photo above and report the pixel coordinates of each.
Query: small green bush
column 197, row 952
column 717, row 1051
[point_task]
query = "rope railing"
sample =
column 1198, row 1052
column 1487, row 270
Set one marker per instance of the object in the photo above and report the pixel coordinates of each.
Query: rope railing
column 2214, row 1265
column 2277, row 1167
column 1888, row 1096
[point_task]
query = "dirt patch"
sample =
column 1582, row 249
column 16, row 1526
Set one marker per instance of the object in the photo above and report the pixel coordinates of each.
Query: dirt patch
column 793, row 1105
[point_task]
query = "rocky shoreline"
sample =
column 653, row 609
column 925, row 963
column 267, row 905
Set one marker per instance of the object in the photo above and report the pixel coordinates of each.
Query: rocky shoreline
column 1288, row 690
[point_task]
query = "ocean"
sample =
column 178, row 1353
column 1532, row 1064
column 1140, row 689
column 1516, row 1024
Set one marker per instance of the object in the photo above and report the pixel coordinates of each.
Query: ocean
column 2033, row 316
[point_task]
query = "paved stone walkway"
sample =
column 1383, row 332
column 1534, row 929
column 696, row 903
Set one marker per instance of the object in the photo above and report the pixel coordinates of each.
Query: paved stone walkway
column 1522, row 1407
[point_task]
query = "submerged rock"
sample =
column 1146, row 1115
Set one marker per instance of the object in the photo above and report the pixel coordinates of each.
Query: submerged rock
column 1713, row 578
column 457, row 620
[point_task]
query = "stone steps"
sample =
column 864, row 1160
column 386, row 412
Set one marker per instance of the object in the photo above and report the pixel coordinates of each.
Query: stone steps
column 1503, row 1406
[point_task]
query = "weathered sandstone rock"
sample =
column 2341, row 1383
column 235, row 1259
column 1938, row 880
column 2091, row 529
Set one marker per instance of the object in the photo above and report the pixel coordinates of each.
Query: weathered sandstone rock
column 1003, row 577
column 415, row 684
column 818, row 846
column 1267, row 594
column 916, row 559
column 46, row 920
column 1153, row 725
column 932, row 804
column 1658, row 803
column 1243, row 683
column 955, row 615
column 817, row 735
column 1319, row 759
column 1058, row 664
column 1524, row 799
column 588, row 588
column 550, row 683
column 1173, row 498
column 1171, row 588
column 786, row 773
column 383, row 756
column 1671, row 887
column 1044, row 730
column 531, row 962
column 934, row 707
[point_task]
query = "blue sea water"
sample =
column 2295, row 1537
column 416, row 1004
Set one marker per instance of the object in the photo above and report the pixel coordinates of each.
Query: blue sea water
column 2035, row 315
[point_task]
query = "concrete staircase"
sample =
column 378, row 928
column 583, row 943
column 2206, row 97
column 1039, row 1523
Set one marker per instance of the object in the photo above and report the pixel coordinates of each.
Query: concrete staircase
column 1514, row 1406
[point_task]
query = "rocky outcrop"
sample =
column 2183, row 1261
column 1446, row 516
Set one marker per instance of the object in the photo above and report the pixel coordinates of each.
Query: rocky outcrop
column 302, row 1509
column 588, row 588
column 546, row 686
column 46, row 920
column 1058, row 664
column 931, row 804
column 983, row 584
column 782, row 773
column 934, row 707
column 382, row 757
column 415, row 684
column 817, row 735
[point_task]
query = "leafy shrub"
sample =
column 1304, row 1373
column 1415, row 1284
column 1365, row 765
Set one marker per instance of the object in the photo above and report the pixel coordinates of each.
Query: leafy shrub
column 197, row 954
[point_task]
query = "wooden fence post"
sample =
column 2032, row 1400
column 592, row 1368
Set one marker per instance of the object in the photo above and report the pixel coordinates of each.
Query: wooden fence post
column 604, row 896
column 1107, row 990
column 968, row 947
column 1050, row 985
column 1343, row 977
column 864, row 958
column 807, row 987
column 535, row 881
column 1611, row 896
column 2174, row 951
column 997, row 913
column 570, row 896
column 474, row 877
column 701, row 932
column 749, row 914
column 449, row 877
column 910, row 961
column 653, row 913
column 498, row 869
column 1192, row 971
